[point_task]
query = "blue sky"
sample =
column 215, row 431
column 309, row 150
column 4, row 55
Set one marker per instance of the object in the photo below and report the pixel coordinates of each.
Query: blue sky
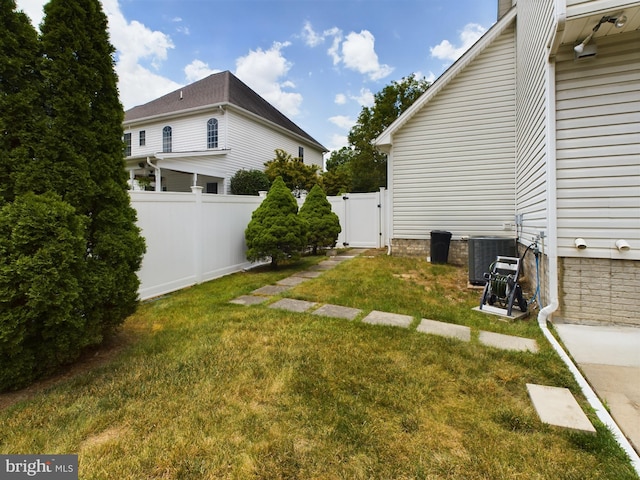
column 317, row 61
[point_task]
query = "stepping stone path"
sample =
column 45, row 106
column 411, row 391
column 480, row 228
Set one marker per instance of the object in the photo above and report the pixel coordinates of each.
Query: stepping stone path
column 555, row 406
column 383, row 318
column 445, row 329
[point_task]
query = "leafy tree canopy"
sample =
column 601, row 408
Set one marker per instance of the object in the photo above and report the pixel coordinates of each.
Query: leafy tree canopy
column 249, row 182
column 295, row 174
column 368, row 166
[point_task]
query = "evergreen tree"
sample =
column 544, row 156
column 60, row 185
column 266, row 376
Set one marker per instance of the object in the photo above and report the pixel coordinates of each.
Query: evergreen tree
column 21, row 111
column 324, row 224
column 275, row 230
column 81, row 156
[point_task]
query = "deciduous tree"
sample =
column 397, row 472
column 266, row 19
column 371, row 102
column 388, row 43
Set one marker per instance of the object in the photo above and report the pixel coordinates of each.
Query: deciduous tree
column 295, row 174
column 369, row 166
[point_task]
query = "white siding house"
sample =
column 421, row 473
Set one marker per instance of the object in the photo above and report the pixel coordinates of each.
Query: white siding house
column 526, row 137
column 203, row 133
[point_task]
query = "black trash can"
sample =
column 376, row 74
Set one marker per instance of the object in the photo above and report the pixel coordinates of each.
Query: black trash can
column 440, row 241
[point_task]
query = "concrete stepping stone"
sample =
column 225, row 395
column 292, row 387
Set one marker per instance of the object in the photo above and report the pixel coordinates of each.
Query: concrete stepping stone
column 557, row 406
column 508, row 342
column 249, row 300
column 271, row 290
column 337, row 311
column 328, row 264
column 308, row 274
column 445, row 329
column 291, row 281
column 293, row 305
column 384, row 318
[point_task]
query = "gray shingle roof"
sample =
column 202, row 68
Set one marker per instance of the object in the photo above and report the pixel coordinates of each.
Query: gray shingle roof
column 219, row 88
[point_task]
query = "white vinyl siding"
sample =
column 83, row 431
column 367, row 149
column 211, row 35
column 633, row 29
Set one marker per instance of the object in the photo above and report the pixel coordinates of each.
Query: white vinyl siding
column 598, row 148
column 535, row 21
column 453, row 161
column 244, row 142
column 253, row 142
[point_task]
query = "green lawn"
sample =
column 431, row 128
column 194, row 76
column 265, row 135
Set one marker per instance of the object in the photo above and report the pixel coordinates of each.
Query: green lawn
column 204, row 389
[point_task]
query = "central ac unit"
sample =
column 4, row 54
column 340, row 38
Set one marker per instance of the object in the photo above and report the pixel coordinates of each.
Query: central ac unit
column 483, row 252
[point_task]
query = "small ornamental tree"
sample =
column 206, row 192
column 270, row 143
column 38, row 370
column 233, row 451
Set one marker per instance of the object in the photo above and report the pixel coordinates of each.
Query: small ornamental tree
column 324, row 224
column 249, row 182
column 275, row 230
column 295, row 174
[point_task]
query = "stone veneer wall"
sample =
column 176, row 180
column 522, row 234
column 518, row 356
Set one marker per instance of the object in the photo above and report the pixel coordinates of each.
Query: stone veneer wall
column 599, row 290
column 591, row 290
column 458, row 249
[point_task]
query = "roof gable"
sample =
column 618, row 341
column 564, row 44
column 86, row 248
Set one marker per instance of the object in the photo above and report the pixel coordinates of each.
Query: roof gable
column 385, row 138
column 222, row 88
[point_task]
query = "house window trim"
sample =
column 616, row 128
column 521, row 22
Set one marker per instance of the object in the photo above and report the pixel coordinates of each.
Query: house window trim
column 142, row 138
column 167, row 139
column 127, row 144
column 213, row 137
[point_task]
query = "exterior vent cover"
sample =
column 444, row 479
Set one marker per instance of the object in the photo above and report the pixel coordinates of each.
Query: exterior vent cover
column 483, row 252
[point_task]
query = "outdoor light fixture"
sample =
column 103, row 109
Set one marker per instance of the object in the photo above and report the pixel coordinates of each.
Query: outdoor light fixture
column 580, row 243
column 622, row 245
column 619, row 22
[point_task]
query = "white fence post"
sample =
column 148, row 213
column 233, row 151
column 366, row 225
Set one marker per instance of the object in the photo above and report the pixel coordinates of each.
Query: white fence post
column 198, row 241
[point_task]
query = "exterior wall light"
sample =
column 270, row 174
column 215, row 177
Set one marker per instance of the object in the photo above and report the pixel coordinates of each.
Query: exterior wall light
column 622, row 245
column 618, row 20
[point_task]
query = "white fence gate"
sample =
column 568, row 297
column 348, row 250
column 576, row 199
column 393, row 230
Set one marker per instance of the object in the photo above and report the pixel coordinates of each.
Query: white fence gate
column 194, row 237
column 362, row 218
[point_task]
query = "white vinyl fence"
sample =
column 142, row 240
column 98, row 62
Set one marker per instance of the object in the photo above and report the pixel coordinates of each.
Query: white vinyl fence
column 195, row 237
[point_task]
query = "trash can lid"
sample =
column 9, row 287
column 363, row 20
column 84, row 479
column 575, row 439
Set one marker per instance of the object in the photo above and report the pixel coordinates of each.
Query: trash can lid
column 441, row 231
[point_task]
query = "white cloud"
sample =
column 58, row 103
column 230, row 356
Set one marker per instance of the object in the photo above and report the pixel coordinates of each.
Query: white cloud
column 358, row 54
column 334, row 49
column 311, row 38
column 262, row 70
column 365, row 98
column 135, row 44
column 197, row 70
column 445, row 50
column 340, row 99
column 342, row 121
column 337, row 142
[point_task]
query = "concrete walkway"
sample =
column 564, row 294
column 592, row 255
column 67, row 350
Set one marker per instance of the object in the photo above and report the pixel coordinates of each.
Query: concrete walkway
column 609, row 358
column 554, row 406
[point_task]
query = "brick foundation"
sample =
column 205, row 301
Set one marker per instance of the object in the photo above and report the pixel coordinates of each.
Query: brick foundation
column 591, row 290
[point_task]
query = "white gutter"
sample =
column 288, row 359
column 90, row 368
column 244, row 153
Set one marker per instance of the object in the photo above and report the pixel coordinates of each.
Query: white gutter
column 158, row 174
column 549, row 309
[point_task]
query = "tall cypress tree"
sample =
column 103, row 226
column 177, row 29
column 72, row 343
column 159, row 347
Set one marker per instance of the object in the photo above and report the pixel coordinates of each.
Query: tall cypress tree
column 82, row 156
column 21, row 114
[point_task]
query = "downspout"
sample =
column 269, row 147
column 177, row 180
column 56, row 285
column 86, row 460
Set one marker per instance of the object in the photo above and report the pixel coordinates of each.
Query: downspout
column 552, row 226
column 158, row 174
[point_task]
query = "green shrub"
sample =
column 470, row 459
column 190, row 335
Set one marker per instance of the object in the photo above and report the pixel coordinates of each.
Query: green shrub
column 275, row 230
column 249, row 182
column 42, row 248
column 324, row 224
